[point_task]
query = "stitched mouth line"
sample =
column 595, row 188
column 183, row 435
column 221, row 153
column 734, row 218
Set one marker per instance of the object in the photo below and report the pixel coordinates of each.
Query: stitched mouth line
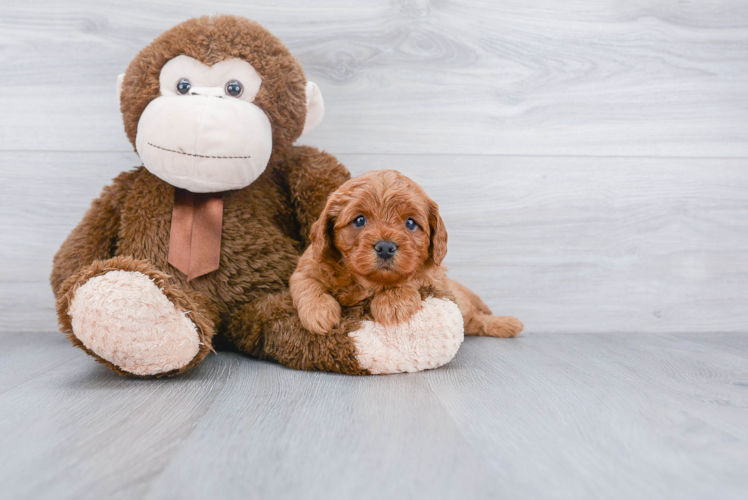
column 200, row 156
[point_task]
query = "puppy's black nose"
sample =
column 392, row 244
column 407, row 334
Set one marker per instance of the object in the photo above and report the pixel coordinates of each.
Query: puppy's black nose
column 385, row 249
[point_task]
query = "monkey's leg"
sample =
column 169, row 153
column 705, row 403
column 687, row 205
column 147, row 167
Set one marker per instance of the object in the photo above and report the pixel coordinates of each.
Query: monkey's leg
column 269, row 328
column 124, row 312
column 477, row 316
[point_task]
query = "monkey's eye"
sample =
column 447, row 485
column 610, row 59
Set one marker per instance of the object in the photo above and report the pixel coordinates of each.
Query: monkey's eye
column 411, row 224
column 234, row 88
column 184, row 86
column 359, row 221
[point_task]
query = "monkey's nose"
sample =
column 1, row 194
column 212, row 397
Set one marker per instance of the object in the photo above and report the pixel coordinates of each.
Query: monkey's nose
column 208, row 91
column 385, row 249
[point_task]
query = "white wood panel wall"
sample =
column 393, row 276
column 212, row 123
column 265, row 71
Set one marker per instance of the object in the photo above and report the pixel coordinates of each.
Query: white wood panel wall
column 589, row 156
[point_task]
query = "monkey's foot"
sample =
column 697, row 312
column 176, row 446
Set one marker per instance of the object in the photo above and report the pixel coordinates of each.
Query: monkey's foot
column 429, row 339
column 125, row 319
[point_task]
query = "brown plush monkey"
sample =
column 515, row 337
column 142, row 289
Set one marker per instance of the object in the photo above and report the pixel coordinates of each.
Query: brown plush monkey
column 203, row 238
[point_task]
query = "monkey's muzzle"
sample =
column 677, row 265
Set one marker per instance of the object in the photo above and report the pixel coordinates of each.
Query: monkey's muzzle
column 204, row 143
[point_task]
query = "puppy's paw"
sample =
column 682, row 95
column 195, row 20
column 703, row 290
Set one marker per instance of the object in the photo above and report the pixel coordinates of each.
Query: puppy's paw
column 503, row 326
column 395, row 307
column 320, row 315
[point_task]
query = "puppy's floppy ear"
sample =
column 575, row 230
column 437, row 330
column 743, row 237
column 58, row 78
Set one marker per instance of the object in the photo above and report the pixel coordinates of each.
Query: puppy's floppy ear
column 321, row 232
column 438, row 247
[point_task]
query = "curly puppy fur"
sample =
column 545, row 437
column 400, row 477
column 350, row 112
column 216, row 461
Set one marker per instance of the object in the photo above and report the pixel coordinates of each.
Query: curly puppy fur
column 380, row 237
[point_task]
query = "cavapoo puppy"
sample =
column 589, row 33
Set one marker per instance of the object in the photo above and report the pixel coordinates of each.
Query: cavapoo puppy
column 380, row 237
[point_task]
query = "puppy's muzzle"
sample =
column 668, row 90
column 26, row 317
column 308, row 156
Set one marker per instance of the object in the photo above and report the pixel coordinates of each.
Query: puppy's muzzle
column 385, row 250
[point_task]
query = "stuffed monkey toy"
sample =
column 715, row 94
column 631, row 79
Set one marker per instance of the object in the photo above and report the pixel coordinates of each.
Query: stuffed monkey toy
column 202, row 239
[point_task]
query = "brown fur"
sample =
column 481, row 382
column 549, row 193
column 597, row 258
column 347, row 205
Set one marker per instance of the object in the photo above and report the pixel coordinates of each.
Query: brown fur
column 266, row 225
column 211, row 40
column 268, row 328
column 341, row 266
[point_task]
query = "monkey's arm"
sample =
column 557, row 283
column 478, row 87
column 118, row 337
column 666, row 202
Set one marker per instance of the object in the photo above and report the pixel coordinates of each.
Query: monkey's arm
column 312, row 176
column 95, row 236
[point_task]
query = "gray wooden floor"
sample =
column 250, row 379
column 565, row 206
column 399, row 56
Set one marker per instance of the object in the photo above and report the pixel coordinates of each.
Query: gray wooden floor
column 543, row 416
column 591, row 163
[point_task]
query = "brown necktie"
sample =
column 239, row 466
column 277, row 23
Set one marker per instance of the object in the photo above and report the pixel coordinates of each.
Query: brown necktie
column 195, row 239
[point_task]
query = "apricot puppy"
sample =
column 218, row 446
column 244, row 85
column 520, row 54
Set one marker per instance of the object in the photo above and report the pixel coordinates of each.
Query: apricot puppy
column 381, row 237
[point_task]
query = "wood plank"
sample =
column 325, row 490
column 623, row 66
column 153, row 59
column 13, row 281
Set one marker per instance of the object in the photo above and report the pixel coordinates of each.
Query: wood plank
column 541, row 416
column 80, row 431
column 276, row 433
column 736, row 345
column 603, row 416
column 27, row 307
column 602, row 78
column 566, row 244
column 29, row 355
column 42, row 197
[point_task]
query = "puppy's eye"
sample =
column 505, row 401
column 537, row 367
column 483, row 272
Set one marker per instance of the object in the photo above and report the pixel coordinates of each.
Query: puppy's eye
column 359, row 221
column 411, row 224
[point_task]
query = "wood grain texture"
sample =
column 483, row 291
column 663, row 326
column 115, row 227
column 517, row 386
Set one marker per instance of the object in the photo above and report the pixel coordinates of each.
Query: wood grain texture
column 659, row 416
column 340, row 437
column 637, row 78
column 77, row 430
column 616, row 416
column 566, row 244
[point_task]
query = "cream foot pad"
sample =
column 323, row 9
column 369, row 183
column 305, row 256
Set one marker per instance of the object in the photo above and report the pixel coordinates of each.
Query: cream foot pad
column 124, row 317
column 429, row 340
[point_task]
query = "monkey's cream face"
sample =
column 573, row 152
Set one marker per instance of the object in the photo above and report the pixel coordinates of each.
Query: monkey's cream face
column 204, row 133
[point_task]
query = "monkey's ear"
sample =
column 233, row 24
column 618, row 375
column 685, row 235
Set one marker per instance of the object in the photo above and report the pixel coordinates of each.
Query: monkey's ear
column 315, row 107
column 120, row 79
column 438, row 247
